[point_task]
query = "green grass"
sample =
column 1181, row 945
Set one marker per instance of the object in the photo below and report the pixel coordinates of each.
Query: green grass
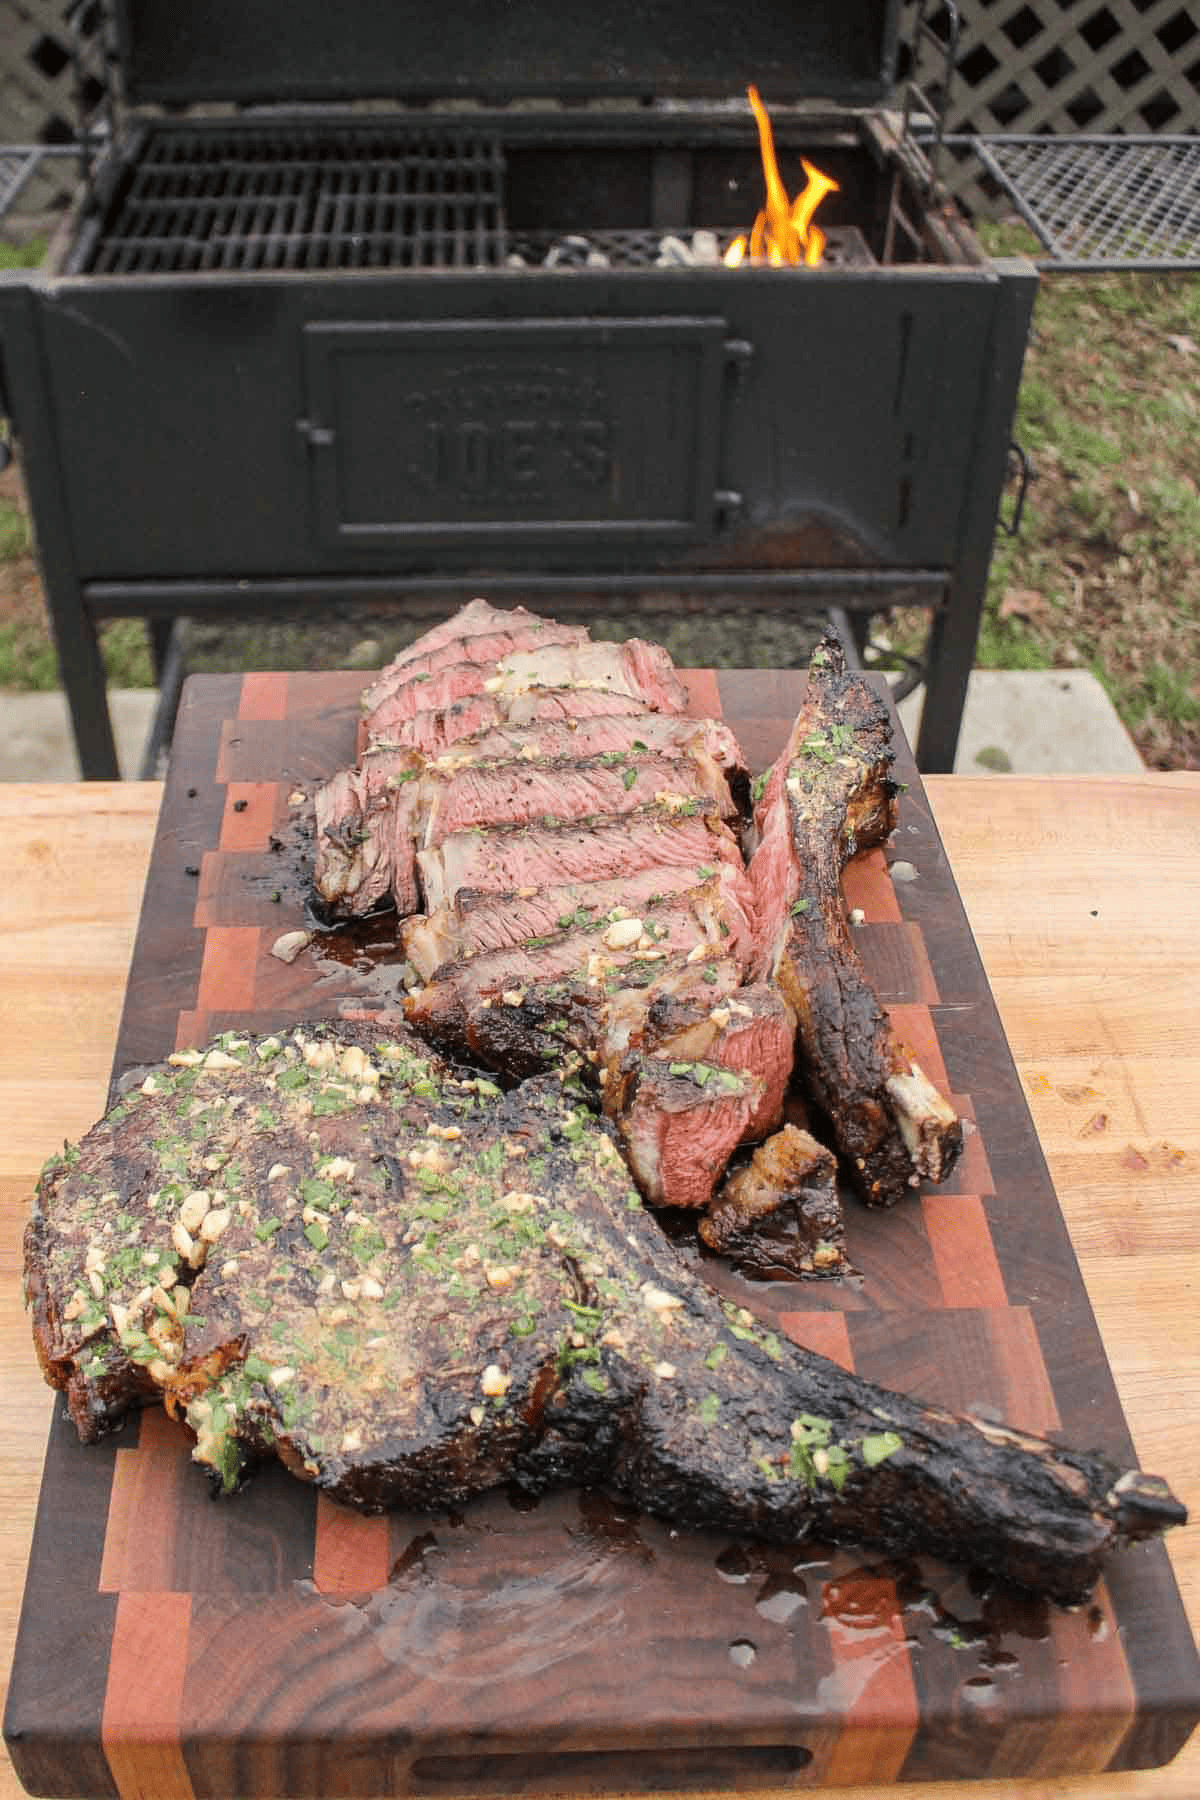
column 1105, row 574
column 14, row 531
column 22, row 256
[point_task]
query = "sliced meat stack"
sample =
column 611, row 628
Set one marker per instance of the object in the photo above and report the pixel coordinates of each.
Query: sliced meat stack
column 565, row 846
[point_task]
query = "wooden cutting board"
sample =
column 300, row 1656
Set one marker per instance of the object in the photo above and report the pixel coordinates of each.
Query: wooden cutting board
column 274, row 1644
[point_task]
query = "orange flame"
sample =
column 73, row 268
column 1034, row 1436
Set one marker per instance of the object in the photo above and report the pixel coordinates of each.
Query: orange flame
column 783, row 232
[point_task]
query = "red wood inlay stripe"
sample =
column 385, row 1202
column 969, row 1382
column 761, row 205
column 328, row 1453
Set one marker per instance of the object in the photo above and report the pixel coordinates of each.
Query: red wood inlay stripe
column 264, row 697
column 825, row 1333
column 192, row 1029
column 1027, row 1400
column 140, row 1728
column 352, row 1554
column 1097, row 1694
column 249, row 829
column 866, row 883
column 704, row 693
column 229, row 968
column 139, row 1539
column 973, row 1173
column 963, row 1252
column 914, row 1026
column 871, row 1688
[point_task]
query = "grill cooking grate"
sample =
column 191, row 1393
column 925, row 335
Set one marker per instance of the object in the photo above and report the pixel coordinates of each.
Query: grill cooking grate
column 308, row 197
column 299, row 198
column 1102, row 202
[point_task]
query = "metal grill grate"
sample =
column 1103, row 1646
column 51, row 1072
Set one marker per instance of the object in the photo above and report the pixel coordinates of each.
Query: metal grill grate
column 1102, row 202
column 307, row 198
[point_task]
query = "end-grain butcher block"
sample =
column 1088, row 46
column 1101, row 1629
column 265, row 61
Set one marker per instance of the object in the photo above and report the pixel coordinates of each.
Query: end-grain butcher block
column 330, row 1246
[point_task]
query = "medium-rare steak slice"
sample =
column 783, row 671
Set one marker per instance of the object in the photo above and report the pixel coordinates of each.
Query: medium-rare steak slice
column 477, row 617
column 329, row 1246
column 597, row 954
column 636, row 669
column 510, row 858
column 364, row 824
column 508, row 634
column 501, row 921
column 615, row 735
column 829, row 795
column 521, row 790
column 435, row 729
column 780, row 1211
column 632, row 671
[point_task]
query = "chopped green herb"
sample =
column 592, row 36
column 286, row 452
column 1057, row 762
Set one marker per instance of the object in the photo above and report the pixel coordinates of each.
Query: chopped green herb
column 800, row 906
column 878, row 1446
column 628, row 779
column 267, row 1229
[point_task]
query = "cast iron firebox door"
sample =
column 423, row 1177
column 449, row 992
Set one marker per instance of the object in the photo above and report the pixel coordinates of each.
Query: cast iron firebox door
column 479, row 434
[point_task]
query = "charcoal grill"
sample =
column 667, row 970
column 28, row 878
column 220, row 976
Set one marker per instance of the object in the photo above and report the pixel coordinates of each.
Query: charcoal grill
column 426, row 308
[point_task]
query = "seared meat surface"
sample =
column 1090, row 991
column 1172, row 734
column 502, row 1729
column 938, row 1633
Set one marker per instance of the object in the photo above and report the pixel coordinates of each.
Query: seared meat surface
column 780, row 1211
column 331, row 1246
column 828, row 796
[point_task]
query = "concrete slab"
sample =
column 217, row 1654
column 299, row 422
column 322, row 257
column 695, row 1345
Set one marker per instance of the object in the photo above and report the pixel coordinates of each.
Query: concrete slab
column 35, row 734
column 1036, row 722
column 1029, row 722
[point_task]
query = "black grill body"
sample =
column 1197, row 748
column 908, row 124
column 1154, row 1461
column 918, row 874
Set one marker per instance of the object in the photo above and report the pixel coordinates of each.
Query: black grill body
column 430, row 353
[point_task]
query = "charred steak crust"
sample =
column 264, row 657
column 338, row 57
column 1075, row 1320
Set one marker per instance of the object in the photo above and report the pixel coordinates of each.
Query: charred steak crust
column 829, row 796
column 331, row 1246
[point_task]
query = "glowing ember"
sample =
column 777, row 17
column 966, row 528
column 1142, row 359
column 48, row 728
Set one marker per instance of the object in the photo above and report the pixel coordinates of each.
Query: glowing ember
column 783, row 231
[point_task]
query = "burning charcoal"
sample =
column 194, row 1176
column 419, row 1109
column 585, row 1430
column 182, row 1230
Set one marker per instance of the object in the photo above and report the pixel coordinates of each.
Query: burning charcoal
column 706, row 251
column 568, row 253
column 514, row 260
column 673, row 253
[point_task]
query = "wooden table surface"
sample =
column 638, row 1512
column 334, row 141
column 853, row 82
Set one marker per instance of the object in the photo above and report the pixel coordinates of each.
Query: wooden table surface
column 1082, row 894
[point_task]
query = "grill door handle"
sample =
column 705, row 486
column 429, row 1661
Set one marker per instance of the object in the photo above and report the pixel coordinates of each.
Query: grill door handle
column 317, row 437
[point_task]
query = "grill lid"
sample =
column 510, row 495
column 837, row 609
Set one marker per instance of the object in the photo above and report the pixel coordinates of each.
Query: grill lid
column 278, row 51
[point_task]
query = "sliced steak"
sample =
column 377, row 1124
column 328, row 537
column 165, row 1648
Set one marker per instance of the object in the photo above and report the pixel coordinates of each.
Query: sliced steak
column 679, row 1123
column 598, row 955
column 829, row 795
column 523, row 790
column 752, row 1031
column 634, row 669
column 364, row 827
column 619, row 736
column 333, row 1248
column 513, row 857
column 780, row 1212
column 507, row 635
column 435, row 729
column 502, row 921
column 477, row 616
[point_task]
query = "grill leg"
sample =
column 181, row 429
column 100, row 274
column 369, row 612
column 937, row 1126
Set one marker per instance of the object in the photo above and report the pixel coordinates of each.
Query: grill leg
column 955, row 629
column 159, row 633
column 27, row 401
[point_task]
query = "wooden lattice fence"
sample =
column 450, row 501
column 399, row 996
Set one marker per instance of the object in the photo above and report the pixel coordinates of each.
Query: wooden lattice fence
column 1057, row 66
